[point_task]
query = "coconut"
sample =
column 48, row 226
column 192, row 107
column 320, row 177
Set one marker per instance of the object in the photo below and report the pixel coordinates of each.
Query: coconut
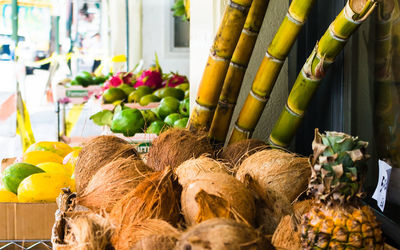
column 175, row 146
column 286, row 235
column 112, row 182
column 213, row 195
column 88, row 232
column 96, row 153
column 222, row 234
column 234, row 154
column 283, row 172
column 190, row 169
column 147, row 234
column 156, row 197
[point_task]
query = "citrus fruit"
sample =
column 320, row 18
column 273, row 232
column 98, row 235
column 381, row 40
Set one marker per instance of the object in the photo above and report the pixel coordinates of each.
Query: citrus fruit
column 15, row 173
column 7, row 196
column 181, row 123
column 55, row 168
column 184, row 107
column 128, row 122
column 42, row 187
column 183, row 86
column 145, row 100
column 168, row 105
column 128, row 89
column 59, row 148
column 71, row 159
column 113, row 94
column 187, row 94
column 174, row 92
column 158, row 93
column 172, row 118
column 36, row 157
column 149, row 116
column 139, row 93
column 157, row 127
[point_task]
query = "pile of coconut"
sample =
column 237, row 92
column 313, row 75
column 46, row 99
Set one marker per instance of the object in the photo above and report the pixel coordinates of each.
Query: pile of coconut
column 184, row 196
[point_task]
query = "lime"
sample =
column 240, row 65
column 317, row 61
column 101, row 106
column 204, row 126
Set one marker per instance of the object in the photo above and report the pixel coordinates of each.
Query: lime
column 147, row 99
column 187, row 94
column 168, row 105
column 128, row 89
column 177, row 93
column 181, row 123
column 149, row 116
column 128, row 122
column 139, row 93
column 157, row 127
column 172, row 118
column 113, row 94
column 158, row 93
column 14, row 174
column 74, row 82
column 184, row 107
column 183, row 86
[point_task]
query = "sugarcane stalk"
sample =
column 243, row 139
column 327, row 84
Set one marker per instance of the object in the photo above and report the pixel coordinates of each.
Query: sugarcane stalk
column 236, row 71
column 218, row 62
column 331, row 44
column 270, row 68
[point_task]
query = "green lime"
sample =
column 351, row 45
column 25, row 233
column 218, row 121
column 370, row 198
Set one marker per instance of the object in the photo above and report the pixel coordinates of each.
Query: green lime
column 177, row 93
column 147, row 99
column 181, row 123
column 74, row 82
column 128, row 122
column 149, row 116
column 183, row 86
column 184, row 107
column 157, row 127
column 14, row 174
column 98, row 80
column 113, row 94
column 139, row 93
column 168, row 105
column 158, row 93
column 172, row 118
column 128, row 89
column 187, row 94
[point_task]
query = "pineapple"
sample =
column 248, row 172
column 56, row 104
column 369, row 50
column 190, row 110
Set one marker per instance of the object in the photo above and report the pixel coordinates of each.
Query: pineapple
column 337, row 219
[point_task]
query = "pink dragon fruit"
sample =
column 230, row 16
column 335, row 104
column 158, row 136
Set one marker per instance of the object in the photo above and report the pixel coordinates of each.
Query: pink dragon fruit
column 151, row 77
column 118, row 79
column 174, row 80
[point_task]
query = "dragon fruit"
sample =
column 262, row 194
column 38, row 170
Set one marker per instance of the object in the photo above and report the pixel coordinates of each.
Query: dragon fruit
column 118, row 79
column 151, row 77
column 174, row 80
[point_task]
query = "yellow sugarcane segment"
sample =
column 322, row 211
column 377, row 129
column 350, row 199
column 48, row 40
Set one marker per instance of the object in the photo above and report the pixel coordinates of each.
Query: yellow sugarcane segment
column 330, row 46
column 254, row 20
column 266, row 76
column 212, row 81
column 248, row 120
column 245, row 3
column 283, row 40
column 238, row 135
column 243, row 52
column 200, row 118
column 229, row 32
column 221, row 122
column 232, row 84
column 342, row 27
column 299, row 9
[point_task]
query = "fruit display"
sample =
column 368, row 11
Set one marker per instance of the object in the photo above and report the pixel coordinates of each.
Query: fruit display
column 86, row 79
column 40, row 175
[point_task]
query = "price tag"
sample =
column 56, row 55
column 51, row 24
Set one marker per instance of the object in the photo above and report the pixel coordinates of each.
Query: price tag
column 383, row 182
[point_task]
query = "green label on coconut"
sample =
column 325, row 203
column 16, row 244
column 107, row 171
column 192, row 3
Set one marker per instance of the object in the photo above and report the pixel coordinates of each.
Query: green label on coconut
column 143, row 147
column 76, row 93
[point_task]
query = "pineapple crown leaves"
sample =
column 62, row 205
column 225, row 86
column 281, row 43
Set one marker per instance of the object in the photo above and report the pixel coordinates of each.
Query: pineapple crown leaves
column 338, row 167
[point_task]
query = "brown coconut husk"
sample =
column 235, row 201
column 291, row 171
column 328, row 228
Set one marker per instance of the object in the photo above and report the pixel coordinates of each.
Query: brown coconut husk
column 190, row 169
column 287, row 235
column 89, row 232
column 222, row 234
column 174, row 146
column 98, row 152
column 112, row 182
column 147, row 234
column 217, row 195
column 283, row 172
column 156, row 197
column 234, row 154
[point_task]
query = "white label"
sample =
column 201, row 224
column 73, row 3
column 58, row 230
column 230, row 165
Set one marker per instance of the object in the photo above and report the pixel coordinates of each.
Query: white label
column 383, row 182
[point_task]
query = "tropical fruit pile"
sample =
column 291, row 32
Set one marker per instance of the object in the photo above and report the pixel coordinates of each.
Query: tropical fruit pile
column 86, row 79
column 186, row 195
column 45, row 168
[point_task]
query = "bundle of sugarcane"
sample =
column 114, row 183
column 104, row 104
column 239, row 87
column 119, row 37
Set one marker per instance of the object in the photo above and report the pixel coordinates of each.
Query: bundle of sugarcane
column 269, row 70
column 313, row 71
column 236, row 71
column 218, row 62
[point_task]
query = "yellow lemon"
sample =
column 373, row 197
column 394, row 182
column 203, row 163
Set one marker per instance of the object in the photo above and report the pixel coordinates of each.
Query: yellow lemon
column 54, row 168
column 71, row 159
column 7, row 196
column 37, row 157
column 42, row 187
column 56, row 147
